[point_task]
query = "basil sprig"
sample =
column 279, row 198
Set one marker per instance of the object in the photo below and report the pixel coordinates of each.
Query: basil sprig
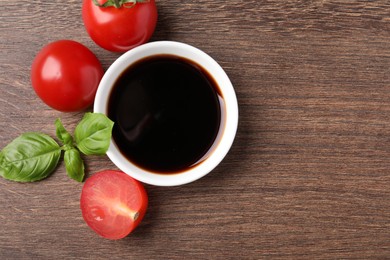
column 34, row 156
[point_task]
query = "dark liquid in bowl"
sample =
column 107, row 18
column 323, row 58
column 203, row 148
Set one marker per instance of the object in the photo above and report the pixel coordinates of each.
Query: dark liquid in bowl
column 166, row 112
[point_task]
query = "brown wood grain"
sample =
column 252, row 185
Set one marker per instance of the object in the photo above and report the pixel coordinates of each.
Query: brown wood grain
column 308, row 176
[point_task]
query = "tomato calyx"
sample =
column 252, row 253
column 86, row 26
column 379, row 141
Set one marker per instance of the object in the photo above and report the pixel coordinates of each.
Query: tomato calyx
column 120, row 3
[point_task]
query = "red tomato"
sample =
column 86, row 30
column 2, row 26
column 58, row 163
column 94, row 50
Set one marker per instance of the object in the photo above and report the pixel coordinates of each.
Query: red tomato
column 113, row 203
column 120, row 29
column 65, row 75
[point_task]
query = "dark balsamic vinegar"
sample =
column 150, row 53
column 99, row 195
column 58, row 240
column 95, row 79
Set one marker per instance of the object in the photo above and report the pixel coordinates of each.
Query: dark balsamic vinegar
column 166, row 113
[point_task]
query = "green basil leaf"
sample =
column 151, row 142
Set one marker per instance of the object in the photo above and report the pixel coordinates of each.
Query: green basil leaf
column 29, row 157
column 62, row 134
column 74, row 164
column 93, row 134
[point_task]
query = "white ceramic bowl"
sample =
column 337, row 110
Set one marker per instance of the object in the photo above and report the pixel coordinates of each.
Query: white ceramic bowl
column 229, row 111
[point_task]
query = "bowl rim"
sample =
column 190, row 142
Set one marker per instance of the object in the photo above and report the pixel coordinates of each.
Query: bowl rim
column 227, row 134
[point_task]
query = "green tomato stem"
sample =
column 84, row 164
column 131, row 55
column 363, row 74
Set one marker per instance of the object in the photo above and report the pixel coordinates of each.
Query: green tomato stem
column 117, row 4
column 120, row 3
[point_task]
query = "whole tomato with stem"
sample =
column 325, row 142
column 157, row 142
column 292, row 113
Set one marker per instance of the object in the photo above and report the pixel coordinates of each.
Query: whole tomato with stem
column 119, row 25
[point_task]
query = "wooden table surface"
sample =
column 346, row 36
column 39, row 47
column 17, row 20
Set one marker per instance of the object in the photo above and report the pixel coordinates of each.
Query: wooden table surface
column 307, row 176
